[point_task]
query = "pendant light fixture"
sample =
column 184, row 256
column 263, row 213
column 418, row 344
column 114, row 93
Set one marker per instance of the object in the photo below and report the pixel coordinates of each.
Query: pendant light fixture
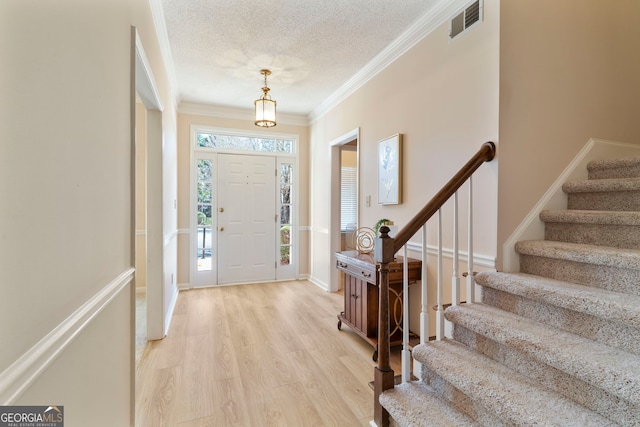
column 265, row 106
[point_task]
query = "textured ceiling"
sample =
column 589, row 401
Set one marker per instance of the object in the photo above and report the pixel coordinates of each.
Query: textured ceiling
column 218, row 47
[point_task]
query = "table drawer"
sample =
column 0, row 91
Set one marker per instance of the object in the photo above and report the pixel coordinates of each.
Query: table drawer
column 363, row 272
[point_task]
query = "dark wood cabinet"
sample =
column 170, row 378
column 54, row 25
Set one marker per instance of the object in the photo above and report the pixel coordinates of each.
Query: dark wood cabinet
column 361, row 284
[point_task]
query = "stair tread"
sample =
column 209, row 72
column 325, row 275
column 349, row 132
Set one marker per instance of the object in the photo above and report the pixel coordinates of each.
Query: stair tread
column 578, row 252
column 602, row 185
column 511, row 396
column 609, row 368
column 416, row 404
column 591, row 217
column 605, row 304
column 627, row 162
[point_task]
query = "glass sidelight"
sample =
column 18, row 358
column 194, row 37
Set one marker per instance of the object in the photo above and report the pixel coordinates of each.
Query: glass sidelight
column 286, row 206
column 204, row 215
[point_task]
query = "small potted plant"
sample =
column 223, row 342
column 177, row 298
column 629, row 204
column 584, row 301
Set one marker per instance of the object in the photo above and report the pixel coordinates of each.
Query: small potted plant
column 380, row 223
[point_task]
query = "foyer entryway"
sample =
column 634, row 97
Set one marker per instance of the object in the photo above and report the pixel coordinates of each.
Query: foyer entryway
column 244, row 209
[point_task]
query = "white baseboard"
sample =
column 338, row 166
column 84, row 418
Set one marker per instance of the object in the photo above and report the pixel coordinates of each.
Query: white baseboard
column 319, row 283
column 172, row 306
column 24, row 371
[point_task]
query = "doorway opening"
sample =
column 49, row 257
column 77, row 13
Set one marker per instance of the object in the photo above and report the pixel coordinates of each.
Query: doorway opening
column 345, row 199
column 140, row 229
column 147, row 239
column 348, row 194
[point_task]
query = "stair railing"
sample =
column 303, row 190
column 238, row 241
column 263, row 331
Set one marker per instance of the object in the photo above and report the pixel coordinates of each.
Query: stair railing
column 385, row 249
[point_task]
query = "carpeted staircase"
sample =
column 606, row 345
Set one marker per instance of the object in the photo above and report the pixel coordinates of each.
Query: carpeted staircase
column 557, row 344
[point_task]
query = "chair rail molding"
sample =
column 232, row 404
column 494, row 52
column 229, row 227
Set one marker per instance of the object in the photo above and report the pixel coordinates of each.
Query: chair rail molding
column 26, row 369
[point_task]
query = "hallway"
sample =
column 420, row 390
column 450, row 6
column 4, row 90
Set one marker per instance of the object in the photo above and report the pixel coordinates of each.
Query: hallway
column 255, row 355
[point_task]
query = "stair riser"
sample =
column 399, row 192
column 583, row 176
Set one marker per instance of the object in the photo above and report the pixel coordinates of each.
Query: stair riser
column 579, row 391
column 505, row 394
column 624, row 172
column 617, row 236
column 614, row 371
column 461, row 401
column 614, row 334
column 611, row 278
column 605, row 201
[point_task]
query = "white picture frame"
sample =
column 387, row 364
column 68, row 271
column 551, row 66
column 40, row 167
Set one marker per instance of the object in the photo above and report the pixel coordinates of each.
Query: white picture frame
column 390, row 170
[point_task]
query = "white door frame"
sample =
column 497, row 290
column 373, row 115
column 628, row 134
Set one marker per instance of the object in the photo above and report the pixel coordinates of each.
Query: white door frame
column 291, row 273
column 146, row 88
column 334, row 220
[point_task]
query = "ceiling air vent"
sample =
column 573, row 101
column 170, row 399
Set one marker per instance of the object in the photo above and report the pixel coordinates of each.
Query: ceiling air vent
column 466, row 19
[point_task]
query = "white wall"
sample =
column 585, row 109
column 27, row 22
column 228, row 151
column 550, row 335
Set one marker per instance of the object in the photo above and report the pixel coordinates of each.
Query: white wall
column 66, row 218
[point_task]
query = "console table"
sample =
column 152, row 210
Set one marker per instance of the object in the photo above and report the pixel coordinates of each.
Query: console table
column 361, row 283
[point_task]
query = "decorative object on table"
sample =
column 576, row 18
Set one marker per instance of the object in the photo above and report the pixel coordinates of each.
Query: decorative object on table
column 363, row 240
column 380, row 223
column 390, row 170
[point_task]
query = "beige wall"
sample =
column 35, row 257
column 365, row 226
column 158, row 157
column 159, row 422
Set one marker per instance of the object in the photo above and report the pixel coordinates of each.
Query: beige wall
column 569, row 71
column 185, row 121
column 443, row 97
column 67, row 215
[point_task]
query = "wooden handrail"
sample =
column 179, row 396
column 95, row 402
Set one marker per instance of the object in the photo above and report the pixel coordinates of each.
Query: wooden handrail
column 486, row 153
column 384, row 250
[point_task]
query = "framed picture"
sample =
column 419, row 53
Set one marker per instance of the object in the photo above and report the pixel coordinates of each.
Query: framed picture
column 390, row 170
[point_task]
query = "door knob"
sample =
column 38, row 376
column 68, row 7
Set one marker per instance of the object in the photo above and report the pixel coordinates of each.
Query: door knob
column 221, row 209
column 221, row 228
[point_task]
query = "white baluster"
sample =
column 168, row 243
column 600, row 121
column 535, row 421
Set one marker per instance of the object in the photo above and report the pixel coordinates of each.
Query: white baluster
column 471, row 297
column 406, row 353
column 455, row 280
column 424, row 311
column 440, row 314
column 424, row 306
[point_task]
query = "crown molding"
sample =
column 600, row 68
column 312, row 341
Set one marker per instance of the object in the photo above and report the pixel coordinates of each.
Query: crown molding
column 159, row 23
column 441, row 12
column 246, row 114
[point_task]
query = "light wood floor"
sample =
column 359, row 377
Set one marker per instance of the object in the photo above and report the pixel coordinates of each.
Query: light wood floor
column 256, row 355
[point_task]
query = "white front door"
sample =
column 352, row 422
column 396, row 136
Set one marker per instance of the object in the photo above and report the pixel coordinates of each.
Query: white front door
column 246, row 218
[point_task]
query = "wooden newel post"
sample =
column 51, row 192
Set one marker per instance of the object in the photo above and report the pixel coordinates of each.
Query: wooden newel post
column 383, row 374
